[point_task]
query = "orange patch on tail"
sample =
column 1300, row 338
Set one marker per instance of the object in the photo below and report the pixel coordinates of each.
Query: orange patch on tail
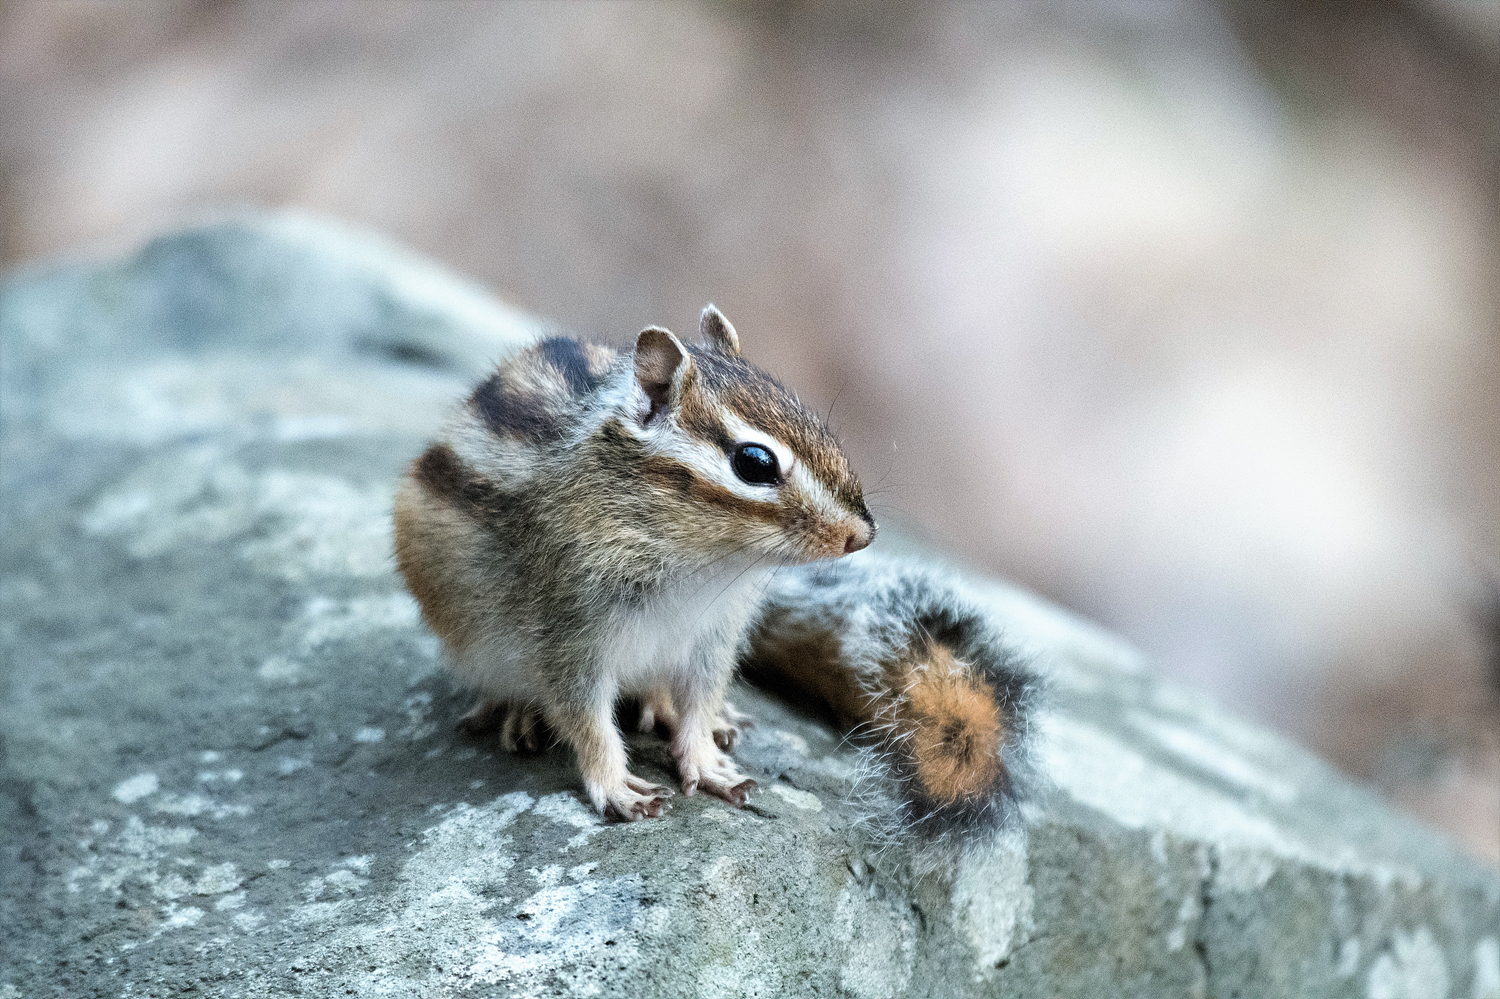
column 954, row 727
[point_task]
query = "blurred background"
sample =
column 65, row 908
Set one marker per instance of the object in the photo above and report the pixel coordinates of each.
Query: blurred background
column 1184, row 313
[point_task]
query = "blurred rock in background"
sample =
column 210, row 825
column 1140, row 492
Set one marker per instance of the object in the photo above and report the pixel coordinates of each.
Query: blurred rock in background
column 1186, row 314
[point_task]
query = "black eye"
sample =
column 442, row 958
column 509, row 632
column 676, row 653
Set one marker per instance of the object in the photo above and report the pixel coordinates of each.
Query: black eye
column 756, row 465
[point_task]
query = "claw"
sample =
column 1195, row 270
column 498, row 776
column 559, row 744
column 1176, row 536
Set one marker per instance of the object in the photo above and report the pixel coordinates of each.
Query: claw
column 736, row 794
column 727, row 726
column 634, row 811
column 634, row 799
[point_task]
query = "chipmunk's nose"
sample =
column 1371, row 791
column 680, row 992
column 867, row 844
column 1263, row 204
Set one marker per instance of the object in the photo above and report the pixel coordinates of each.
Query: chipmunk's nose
column 859, row 537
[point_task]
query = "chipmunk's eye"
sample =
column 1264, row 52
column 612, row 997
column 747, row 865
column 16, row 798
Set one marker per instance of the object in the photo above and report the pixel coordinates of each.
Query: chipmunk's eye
column 756, row 465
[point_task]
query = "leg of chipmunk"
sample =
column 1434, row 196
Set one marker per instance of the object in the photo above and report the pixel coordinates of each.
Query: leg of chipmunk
column 699, row 760
column 656, row 708
column 484, row 717
column 590, row 729
column 521, row 730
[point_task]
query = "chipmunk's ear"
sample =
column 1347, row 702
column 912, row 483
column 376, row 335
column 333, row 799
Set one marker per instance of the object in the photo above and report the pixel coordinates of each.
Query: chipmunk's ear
column 662, row 366
column 717, row 330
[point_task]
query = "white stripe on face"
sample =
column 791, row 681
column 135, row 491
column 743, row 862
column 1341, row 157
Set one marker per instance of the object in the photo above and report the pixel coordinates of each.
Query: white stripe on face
column 819, row 496
column 713, row 465
column 796, row 474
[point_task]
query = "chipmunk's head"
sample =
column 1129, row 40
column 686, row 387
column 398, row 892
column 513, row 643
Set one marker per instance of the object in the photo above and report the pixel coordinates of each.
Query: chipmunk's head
column 745, row 465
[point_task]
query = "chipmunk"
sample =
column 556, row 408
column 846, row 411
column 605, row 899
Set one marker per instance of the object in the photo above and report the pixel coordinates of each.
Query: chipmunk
column 919, row 674
column 591, row 525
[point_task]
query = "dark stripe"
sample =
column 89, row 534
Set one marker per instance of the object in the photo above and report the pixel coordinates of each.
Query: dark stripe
column 681, row 479
column 570, row 358
column 669, row 474
column 712, row 492
column 508, row 413
column 445, row 475
column 701, row 421
column 673, row 476
column 615, row 438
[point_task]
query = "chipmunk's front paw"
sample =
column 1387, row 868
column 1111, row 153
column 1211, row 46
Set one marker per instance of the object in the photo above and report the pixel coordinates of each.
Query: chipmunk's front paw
column 719, row 778
column 630, row 800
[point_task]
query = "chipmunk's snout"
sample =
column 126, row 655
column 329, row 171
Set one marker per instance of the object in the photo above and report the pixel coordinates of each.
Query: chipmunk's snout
column 840, row 536
column 859, row 537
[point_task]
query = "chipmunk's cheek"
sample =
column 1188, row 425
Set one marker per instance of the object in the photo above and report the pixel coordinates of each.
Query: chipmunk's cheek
column 809, row 538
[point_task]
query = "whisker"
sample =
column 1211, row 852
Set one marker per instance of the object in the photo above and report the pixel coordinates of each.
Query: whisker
column 708, row 577
column 752, row 542
column 756, row 539
column 881, row 489
column 727, row 585
column 828, row 416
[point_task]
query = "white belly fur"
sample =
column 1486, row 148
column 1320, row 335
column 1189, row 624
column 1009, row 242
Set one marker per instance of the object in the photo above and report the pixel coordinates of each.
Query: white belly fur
column 687, row 630
column 690, row 628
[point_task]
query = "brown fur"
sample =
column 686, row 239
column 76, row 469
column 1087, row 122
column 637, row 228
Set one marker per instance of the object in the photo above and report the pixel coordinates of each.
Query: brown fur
column 420, row 523
column 945, row 716
column 956, row 734
column 807, row 667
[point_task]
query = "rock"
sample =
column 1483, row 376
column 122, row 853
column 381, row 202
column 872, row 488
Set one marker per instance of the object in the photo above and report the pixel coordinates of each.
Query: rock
column 229, row 765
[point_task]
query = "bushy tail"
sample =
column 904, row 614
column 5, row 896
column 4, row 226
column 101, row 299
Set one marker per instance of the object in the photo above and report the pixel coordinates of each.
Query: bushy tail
column 918, row 676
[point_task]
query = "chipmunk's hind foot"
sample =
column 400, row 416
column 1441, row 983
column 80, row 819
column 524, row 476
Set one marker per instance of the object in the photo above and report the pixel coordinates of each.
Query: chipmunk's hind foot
column 486, row 716
column 729, row 725
column 657, row 709
column 523, row 730
column 520, row 726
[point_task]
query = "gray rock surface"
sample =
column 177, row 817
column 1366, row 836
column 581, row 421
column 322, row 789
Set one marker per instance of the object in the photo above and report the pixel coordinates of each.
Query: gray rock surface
column 228, row 764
